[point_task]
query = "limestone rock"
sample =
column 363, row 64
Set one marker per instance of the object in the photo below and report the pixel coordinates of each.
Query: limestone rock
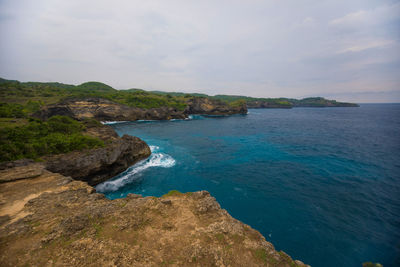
column 106, row 110
column 98, row 165
column 21, row 172
column 207, row 106
column 44, row 222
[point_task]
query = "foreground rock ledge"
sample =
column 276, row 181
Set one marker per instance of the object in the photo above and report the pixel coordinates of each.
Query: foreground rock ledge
column 52, row 220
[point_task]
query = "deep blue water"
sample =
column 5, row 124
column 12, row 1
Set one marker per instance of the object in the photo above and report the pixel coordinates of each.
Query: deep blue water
column 322, row 184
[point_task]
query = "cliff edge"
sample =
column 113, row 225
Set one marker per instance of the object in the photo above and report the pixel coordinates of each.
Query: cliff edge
column 52, row 220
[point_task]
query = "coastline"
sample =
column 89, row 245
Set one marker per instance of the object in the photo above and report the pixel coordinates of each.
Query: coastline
column 29, row 208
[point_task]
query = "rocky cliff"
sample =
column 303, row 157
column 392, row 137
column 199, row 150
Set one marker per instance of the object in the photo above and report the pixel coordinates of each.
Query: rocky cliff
column 47, row 219
column 94, row 165
column 100, row 164
column 207, row 106
column 106, row 110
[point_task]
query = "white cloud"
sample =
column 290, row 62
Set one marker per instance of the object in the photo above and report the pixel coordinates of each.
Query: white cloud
column 361, row 46
column 260, row 48
column 377, row 15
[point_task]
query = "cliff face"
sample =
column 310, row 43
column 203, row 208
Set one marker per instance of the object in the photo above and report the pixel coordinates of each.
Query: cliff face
column 106, row 110
column 100, row 164
column 94, row 165
column 52, row 220
column 201, row 105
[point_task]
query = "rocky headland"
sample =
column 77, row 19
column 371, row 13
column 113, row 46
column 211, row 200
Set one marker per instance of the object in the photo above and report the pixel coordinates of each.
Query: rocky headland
column 310, row 102
column 106, row 110
column 95, row 165
column 207, row 106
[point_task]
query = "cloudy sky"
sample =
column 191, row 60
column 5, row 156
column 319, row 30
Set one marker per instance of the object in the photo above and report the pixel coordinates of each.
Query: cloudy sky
column 347, row 50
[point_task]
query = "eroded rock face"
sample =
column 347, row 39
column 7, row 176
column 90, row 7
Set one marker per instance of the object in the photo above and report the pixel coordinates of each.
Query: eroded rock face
column 201, row 105
column 52, row 220
column 91, row 165
column 100, row 164
column 106, row 110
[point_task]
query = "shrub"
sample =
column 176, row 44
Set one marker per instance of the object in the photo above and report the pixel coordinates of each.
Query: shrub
column 60, row 134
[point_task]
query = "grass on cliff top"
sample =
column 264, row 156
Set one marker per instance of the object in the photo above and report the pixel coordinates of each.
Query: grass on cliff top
column 172, row 193
column 35, row 138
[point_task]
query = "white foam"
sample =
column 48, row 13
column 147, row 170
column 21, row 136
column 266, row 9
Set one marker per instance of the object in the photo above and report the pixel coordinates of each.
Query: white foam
column 133, row 173
column 154, row 148
column 112, row 122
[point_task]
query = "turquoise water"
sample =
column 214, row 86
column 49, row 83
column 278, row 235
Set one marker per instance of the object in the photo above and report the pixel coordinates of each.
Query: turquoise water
column 322, row 184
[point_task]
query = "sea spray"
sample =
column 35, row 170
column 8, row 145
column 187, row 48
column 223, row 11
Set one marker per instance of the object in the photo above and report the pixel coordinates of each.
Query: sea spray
column 133, row 173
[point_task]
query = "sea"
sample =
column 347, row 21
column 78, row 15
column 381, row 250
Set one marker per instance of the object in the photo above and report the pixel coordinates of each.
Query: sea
column 321, row 184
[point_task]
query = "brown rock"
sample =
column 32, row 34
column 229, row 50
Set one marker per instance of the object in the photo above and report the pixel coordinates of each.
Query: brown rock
column 207, row 106
column 21, row 172
column 97, row 165
column 106, row 110
column 44, row 223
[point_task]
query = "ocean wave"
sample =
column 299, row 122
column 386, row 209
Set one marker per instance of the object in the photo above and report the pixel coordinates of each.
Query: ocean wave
column 133, row 173
column 154, row 148
column 112, row 122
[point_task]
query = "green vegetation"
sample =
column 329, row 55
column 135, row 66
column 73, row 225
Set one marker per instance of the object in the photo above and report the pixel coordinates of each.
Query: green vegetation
column 173, row 193
column 260, row 254
column 14, row 92
column 319, row 102
column 13, row 110
column 251, row 101
column 60, row 134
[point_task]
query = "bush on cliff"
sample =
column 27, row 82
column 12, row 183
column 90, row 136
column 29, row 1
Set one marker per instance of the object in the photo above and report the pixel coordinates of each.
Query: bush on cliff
column 60, row 134
column 14, row 110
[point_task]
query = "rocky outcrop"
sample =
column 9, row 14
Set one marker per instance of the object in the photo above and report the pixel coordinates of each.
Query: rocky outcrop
column 21, row 172
column 91, row 165
column 100, row 164
column 207, row 106
column 106, row 110
column 52, row 220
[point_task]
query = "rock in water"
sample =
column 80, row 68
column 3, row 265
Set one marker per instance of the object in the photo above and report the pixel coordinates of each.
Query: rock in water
column 98, row 165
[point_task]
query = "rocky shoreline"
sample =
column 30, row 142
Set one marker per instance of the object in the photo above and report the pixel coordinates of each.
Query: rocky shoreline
column 106, row 110
column 51, row 216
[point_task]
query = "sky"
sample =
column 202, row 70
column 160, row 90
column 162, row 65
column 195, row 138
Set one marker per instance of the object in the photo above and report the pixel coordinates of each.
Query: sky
column 346, row 50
